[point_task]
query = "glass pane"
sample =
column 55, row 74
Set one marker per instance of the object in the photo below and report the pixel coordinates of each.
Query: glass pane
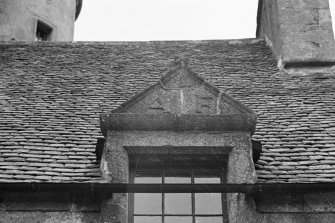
column 207, row 178
column 208, row 203
column 178, row 219
column 177, row 178
column 147, row 203
column 147, row 219
column 208, row 220
column 178, row 204
column 148, row 178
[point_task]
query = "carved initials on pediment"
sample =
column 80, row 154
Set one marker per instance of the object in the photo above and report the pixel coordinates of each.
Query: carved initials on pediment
column 181, row 91
column 205, row 103
column 157, row 104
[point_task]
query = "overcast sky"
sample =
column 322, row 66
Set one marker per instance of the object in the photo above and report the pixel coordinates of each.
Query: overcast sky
column 142, row 20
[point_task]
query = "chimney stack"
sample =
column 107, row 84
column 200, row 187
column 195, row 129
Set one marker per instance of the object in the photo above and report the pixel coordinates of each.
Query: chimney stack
column 299, row 31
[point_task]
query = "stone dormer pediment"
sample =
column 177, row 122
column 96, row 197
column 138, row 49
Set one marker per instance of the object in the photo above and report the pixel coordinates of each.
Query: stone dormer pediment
column 180, row 100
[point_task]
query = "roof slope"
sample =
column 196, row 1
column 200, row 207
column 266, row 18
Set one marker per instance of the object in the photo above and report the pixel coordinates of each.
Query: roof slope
column 51, row 96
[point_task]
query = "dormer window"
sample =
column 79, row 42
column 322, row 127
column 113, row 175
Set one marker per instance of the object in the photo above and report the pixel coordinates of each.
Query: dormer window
column 43, row 32
column 181, row 130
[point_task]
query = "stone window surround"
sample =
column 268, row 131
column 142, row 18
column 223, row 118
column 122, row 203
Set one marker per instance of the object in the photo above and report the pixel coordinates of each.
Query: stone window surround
column 119, row 145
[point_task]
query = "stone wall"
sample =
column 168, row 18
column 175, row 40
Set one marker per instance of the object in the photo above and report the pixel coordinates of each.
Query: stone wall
column 49, row 207
column 18, row 19
column 295, row 208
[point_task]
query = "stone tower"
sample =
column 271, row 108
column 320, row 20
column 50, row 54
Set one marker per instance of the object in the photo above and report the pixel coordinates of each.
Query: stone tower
column 38, row 20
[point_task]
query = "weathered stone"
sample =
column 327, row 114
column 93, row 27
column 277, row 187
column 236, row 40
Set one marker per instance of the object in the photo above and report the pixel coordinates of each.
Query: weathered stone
column 299, row 204
column 180, row 101
column 181, row 91
column 49, row 207
column 299, row 32
column 115, row 210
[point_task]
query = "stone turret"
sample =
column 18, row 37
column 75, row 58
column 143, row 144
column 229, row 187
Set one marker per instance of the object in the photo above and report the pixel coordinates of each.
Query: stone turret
column 38, row 20
column 299, row 32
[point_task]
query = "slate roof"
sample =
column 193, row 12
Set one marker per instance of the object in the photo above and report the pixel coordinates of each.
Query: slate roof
column 51, row 96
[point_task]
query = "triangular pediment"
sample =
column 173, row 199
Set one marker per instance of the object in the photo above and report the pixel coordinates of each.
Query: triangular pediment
column 181, row 92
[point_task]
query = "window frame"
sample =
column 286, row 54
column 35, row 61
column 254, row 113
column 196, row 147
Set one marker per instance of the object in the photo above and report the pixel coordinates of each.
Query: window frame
column 167, row 167
column 48, row 30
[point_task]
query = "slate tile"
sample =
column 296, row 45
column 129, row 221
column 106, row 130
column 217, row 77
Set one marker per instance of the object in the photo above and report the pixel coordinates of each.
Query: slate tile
column 296, row 119
column 43, row 178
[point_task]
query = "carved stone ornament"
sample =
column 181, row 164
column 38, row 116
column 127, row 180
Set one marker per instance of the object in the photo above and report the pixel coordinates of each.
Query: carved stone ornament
column 179, row 93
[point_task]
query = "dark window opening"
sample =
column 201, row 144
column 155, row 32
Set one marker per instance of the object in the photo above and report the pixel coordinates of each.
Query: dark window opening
column 43, row 32
column 177, row 207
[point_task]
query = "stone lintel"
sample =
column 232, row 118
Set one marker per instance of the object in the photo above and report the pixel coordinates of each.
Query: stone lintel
column 235, row 146
column 136, row 139
column 177, row 123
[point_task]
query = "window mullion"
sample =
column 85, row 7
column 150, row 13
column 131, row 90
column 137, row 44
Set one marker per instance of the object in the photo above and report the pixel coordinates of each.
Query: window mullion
column 131, row 198
column 193, row 199
column 163, row 198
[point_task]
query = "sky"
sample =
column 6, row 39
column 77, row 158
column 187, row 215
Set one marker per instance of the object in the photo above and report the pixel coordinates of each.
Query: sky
column 144, row 20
